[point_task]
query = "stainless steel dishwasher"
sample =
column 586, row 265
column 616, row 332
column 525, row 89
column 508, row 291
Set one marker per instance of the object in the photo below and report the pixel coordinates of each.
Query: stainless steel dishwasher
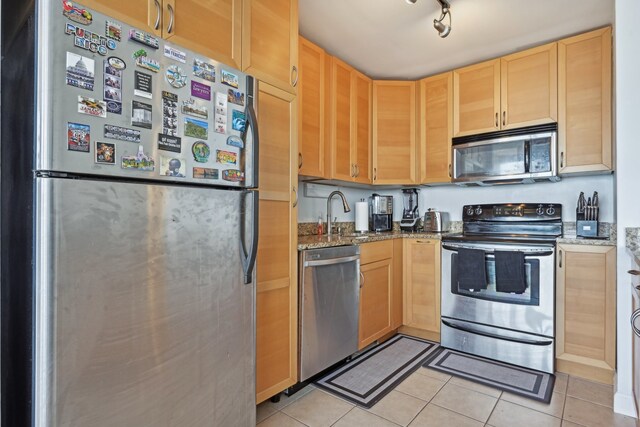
column 329, row 307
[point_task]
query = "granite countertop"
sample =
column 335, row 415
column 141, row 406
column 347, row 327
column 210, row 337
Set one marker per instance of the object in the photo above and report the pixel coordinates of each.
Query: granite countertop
column 632, row 236
column 324, row 241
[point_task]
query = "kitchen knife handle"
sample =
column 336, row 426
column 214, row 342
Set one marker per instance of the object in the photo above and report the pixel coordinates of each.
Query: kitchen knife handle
column 157, row 24
column 170, row 26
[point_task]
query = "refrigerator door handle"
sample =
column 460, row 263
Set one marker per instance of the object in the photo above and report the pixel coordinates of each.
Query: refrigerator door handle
column 252, row 123
column 249, row 256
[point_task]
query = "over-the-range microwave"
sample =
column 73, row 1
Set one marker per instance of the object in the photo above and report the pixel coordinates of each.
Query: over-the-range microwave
column 511, row 156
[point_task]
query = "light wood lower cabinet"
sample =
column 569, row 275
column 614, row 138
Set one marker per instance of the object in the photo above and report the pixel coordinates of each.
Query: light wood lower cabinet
column 586, row 311
column 276, row 269
column 422, row 287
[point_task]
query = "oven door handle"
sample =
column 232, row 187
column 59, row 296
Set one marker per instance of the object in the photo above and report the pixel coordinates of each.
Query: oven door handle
column 490, row 252
column 500, row 337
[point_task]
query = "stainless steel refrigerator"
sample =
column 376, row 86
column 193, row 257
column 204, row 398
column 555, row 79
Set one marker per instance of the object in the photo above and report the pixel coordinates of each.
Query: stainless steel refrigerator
column 135, row 305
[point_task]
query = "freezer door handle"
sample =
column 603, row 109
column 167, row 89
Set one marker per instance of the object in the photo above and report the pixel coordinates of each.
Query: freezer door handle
column 249, row 256
column 252, row 123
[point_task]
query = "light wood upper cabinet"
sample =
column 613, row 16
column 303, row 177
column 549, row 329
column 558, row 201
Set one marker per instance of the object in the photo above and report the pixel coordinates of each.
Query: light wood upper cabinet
column 342, row 165
column 276, row 266
column 586, row 311
column 270, row 42
column 584, row 100
column 361, row 127
column 435, row 120
column 394, row 132
column 476, row 102
column 312, row 94
column 143, row 14
column 211, row 28
column 422, row 286
column 529, row 87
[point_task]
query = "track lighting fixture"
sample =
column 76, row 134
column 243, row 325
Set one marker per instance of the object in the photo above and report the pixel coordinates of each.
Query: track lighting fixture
column 442, row 29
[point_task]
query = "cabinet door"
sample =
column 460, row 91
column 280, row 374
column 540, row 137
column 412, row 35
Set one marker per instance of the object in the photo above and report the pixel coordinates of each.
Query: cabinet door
column 584, row 102
column 362, row 127
column 311, row 101
column 185, row 20
column 476, row 98
column 270, row 42
column 277, row 287
column 143, row 14
column 422, row 285
column 436, row 127
column 397, row 296
column 375, row 301
column 394, row 132
column 586, row 311
column 529, row 87
column 341, row 154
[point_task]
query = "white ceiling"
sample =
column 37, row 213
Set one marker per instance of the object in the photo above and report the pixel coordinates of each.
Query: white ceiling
column 391, row 39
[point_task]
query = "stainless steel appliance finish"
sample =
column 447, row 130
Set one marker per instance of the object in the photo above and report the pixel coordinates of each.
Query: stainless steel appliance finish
column 435, row 221
column 345, row 207
column 137, row 321
column 329, row 307
column 380, row 213
column 517, row 328
column 512, row 156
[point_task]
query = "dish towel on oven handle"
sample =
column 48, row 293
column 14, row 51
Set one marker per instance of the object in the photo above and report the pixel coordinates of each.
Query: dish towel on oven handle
column 510, row 273
column 471, row 270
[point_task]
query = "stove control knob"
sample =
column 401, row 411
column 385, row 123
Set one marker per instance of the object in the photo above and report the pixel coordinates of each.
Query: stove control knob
column 470, row 211
column 550, row 210
column 478, row 210
column 540, row 210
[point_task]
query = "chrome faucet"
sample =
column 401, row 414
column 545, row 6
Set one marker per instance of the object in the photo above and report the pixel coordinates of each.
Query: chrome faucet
column 345, row 206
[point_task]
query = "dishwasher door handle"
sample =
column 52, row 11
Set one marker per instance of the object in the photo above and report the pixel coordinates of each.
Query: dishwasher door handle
column 332, row 261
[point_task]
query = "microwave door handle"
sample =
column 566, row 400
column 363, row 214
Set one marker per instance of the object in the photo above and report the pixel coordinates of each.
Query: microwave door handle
column 527, row 156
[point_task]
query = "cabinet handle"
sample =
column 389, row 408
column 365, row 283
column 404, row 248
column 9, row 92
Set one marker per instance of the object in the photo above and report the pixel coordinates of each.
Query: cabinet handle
column 450, row 170
column 497, row 119
column 634, row 316
column 561, row 159
column 353, row 170
column 295, row 191
column 375, row 173
column 424, row 242
column 361, row 279
column 158, row 11
column 634, row 272
column 504, row 118
column 170, row 26
column 300, row 160
column 357, row 170
column 294, row 81
column 560, row 259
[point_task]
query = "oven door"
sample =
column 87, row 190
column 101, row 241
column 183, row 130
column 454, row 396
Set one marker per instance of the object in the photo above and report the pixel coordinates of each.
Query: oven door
column 530, row 312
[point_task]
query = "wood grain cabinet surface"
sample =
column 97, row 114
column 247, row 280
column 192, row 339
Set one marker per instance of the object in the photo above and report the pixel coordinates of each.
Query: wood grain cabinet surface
column 586, row 311
column 276, row 265
column 143, row 14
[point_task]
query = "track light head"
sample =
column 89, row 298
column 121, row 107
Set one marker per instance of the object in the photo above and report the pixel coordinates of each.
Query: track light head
column 411, row 1
column 442, row 29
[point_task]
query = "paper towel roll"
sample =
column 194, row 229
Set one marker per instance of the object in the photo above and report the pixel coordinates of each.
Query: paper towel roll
column 362, row 216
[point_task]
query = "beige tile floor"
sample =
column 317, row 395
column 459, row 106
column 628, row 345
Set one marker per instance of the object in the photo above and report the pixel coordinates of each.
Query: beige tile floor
column 431, row 399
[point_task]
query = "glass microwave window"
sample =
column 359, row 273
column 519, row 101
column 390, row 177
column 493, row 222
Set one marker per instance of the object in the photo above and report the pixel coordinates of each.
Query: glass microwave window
column 503, row 158
column 540, row 158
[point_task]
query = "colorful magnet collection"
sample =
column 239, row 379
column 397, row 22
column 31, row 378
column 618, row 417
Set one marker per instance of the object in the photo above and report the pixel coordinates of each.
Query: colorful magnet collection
column 80, row 73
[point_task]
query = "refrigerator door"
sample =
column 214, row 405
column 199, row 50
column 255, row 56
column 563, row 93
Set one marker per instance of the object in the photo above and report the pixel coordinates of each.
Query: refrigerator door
column 116, row 101
column 142, row 314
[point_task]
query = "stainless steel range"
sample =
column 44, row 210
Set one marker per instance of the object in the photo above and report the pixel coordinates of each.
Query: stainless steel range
column 498, row 284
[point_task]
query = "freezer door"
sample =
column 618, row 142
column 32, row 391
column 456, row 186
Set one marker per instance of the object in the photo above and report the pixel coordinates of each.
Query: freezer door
column 110, row 105
column 143, row 317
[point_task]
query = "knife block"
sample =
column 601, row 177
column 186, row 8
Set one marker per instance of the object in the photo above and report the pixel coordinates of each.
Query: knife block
column 585, row 228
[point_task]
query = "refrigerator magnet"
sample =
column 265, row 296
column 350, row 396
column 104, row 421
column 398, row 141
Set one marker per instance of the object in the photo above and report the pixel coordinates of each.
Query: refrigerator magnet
column 87, row 40
column 201, row 151
column 105, row 153
column 113, row 30
column 76, row 14
column 235, row 97
column 92, row 107
column 148, row 63
column 143, row 38
column 200, row 90
column 233, row 175
column 80, row 71
column 172, row 166
column 226, row 157
column 141, row 161
column 142, row 85
column 169, row 143
column 113, row 85
column 78, row 137
column 229, row 79
column 235, row 141
column 238, row 121
column 116, row 63
column 205, row 173
column 175, row 54
column 176, row 77
column 192, row 108
column 196, row 128
column 204, row 70
column 169, row 113
column 121, row 134
column 141, row 114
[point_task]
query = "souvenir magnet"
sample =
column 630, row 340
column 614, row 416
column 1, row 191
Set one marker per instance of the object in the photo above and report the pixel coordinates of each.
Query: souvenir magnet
column 78, row 137
column 172, row 166
column 196, row 128
column 113, row 30
column 75, row 14
column 92, row 107
column 176, row 77
column 148, row 63
column 235, row 97
column 112, row 86
column 235, row 141
column 205, row 173
column 204, row 70
column 201, row 151
column 141, row 114
column 169, row 143
column 85, row 39
column 121, row 134
column 192, row 108
column 80, row 71
column 238, row 121
column 226, row 157
column 105, row 153
column 116, row 63
column 233, row 175
column 143, row 38
column 140, row 161
column 200, row 90
column 175, row 54
column 142, row 85
column 138, row 53
column 169, row 113
column 229, row 79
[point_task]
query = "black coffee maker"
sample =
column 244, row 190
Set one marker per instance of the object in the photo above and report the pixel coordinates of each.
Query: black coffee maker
column 410, row 215
column 380, row 213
